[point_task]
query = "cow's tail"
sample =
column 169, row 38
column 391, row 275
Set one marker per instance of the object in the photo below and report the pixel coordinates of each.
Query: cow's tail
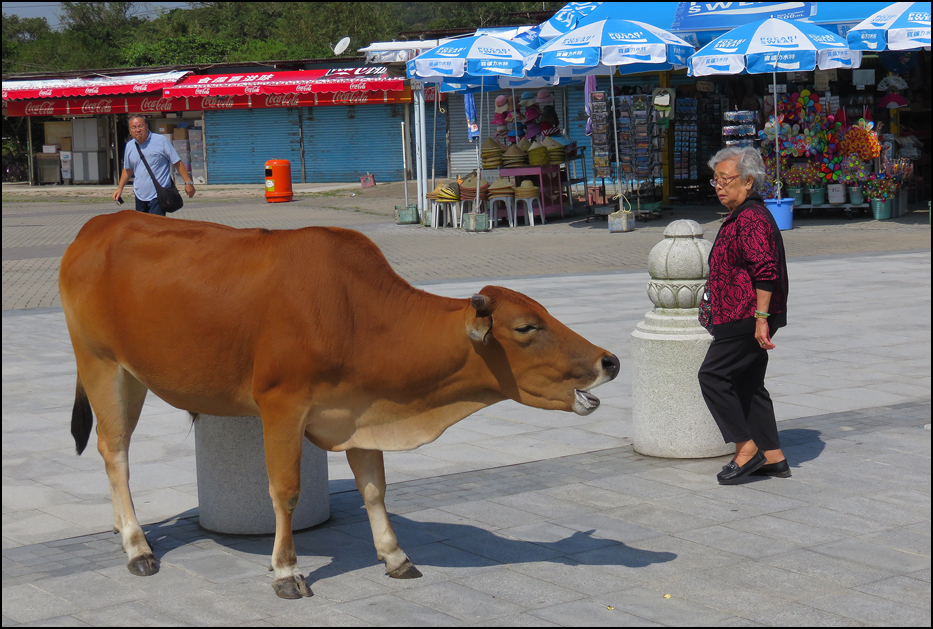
column 82, row 419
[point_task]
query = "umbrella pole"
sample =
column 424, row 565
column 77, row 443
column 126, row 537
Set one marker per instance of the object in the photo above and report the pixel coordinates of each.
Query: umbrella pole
column 777, row 140
column 437, row 94
column 514, row 117
column 615, row 131
column 404, row 164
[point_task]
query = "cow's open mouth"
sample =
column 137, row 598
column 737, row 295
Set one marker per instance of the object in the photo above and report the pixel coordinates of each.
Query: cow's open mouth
column 584, row 402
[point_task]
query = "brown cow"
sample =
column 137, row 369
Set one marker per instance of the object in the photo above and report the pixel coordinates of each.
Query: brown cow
column 313, row 331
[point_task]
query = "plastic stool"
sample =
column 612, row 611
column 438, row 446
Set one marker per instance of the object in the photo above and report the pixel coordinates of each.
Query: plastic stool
column 507, row 201
column 529, row 207
column 451, row 212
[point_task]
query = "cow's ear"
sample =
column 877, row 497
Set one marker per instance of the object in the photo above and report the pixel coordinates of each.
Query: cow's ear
column 480, row 326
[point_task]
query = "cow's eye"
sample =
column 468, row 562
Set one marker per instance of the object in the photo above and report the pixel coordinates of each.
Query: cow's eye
column 525, row 329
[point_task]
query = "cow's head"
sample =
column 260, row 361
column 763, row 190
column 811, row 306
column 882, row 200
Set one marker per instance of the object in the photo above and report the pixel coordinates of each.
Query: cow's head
column 536, row 359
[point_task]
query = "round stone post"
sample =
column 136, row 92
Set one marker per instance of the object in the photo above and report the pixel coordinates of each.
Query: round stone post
column 233, row 486
column 670, row 418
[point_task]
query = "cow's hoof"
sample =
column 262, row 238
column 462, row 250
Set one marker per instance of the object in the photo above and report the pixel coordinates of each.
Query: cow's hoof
column 292, row 587
column 143, row 566
column 406, row 571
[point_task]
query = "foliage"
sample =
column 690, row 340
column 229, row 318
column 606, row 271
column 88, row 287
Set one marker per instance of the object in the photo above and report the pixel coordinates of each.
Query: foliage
column 97, row 35
column 179, row 50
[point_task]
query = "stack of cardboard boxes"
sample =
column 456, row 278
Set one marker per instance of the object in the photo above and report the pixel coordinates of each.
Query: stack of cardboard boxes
column 189, row 144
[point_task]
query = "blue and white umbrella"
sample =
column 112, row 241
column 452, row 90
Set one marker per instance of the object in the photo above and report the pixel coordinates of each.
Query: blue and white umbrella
column 602, row 46
column 613, row 42
column 774, row 45
column 901, row 26
column 479, row 55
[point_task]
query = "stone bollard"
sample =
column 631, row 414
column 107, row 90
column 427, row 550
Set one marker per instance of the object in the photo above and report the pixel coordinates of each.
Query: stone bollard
column 233, row 486
column 670, row 417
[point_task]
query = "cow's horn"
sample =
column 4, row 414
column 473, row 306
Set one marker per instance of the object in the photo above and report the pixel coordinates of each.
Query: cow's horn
column 480, row 303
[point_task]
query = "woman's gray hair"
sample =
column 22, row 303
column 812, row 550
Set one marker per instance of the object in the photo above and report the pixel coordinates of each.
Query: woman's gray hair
column 748, row 163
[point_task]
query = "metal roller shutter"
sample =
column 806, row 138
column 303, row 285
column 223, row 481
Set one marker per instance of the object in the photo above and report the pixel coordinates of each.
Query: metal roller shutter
column 343, row 143
column 240, row 141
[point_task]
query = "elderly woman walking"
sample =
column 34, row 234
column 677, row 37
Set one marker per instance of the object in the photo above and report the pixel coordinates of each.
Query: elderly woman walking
column 747, row 292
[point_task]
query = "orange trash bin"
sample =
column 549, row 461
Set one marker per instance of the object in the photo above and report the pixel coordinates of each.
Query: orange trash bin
column 278, row 180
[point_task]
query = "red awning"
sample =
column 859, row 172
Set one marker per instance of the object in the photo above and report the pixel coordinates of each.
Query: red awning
column 370, row 79
column 91, row 86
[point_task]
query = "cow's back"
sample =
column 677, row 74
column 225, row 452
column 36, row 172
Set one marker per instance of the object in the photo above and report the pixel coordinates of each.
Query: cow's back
column 188, row 306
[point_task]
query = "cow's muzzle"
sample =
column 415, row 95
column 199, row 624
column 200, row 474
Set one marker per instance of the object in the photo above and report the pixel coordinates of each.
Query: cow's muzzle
column 585, row 402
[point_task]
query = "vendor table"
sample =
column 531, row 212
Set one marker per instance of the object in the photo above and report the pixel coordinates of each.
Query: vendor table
column 548, row 180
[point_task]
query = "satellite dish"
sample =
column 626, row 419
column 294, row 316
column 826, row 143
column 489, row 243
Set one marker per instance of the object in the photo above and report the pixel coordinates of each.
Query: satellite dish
column 341, row 45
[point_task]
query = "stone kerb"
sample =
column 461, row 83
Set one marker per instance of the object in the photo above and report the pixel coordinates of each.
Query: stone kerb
column 233, row 486
column 670, row 417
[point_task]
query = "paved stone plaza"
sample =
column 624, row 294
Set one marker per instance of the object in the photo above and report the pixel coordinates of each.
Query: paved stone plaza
column 516, row 516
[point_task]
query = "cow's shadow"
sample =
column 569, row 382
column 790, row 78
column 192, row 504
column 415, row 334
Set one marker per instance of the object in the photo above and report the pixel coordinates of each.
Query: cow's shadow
column 335, row 547
column 448, row 545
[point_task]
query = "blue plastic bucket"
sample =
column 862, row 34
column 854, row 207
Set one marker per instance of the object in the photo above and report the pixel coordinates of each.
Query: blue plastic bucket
column 783, row 212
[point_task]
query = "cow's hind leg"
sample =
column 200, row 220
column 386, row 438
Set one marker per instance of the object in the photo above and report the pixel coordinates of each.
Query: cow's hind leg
column 283, row 440
column 117, row 398
column 369, row 471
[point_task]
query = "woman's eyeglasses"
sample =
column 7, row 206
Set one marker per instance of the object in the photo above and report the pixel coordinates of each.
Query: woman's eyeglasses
column 723, row 182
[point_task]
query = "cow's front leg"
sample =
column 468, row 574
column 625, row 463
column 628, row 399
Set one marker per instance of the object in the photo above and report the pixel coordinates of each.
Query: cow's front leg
column 283, row 440
column 369, row 471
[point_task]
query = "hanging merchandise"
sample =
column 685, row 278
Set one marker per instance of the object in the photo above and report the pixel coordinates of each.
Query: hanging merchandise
column 740, row 128
column 600, row 136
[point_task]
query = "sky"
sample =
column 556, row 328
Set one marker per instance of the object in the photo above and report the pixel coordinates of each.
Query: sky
column 51, row 10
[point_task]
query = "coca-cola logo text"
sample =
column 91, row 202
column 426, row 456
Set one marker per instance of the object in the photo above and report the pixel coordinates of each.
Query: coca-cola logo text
column 92, row 90
column 96, row 107
column 351, row 97
column 282, row 100
column 217, row 102
column 40, row 109
column 156, row 104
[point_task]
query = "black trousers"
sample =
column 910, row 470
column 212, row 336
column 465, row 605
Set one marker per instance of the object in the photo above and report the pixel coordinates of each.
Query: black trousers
column 732, row 379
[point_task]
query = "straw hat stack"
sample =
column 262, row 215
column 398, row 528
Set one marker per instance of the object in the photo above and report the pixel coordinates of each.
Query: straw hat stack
column 528, row 190
column 555, row 151
column 502, row 187
column 491, row 154
column 537, row 155
column 514, row 158
column 445, row 192
column 468, row 189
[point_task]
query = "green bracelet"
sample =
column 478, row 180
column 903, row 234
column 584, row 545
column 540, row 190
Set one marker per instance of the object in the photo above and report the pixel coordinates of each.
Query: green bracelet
column 761, row 315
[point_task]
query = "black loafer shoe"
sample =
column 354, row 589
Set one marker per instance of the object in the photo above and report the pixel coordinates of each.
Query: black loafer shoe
column 780, row 469
column 734, row 472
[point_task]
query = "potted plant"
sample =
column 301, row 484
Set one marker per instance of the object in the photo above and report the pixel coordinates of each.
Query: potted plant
column 881, row 190
column 815, row 182
column 793, row 179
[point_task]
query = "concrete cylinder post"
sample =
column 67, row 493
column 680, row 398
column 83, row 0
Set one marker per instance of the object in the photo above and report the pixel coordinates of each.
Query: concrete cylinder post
column 670, row 417
column 233, row 486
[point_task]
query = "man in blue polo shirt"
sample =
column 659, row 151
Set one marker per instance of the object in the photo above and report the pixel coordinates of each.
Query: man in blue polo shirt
column 161, row 155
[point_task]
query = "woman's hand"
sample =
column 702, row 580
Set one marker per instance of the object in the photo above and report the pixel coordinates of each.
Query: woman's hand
column 763, row 334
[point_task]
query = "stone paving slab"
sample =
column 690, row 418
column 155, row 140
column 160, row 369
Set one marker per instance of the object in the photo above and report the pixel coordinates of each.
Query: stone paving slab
column 714, row 573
